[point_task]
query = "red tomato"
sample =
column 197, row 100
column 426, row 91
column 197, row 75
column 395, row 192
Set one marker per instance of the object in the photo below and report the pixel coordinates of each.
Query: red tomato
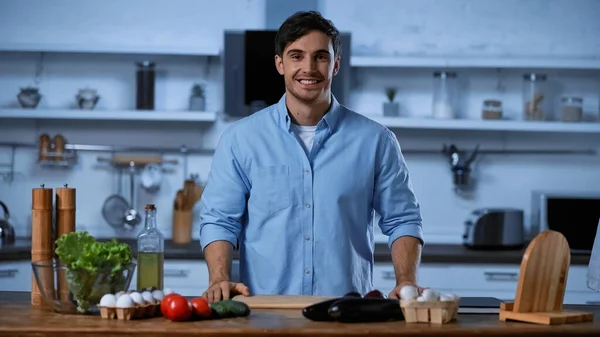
column 201, row 307
column 178, row 308
column 165, row 303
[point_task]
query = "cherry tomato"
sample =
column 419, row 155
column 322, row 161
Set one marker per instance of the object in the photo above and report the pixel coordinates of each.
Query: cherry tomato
column 178, row 308
column 201, row 307
column 165, row 303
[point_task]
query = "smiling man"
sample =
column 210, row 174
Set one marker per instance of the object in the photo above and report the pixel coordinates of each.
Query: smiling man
column 294, row 186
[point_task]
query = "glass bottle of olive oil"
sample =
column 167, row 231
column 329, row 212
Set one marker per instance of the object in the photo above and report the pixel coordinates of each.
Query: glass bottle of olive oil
column 150, row 253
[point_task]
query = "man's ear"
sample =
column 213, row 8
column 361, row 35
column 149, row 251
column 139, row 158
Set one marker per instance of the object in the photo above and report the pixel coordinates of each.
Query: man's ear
column 336, row 65
column 279, row 64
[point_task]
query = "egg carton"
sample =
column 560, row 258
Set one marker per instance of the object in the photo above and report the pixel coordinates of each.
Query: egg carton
column 126, row 314
column 436, row 311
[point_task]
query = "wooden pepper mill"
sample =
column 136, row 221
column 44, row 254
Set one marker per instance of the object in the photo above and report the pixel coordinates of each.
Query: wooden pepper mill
column 65, row 223
column 42, row 247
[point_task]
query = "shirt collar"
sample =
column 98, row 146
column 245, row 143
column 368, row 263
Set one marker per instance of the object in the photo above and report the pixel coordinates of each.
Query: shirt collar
column 331, row 118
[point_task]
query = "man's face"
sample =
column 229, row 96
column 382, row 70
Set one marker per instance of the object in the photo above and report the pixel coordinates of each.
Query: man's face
column 308, row 65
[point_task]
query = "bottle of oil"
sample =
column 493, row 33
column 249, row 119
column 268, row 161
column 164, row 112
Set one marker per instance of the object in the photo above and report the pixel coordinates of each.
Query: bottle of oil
column 150, row 256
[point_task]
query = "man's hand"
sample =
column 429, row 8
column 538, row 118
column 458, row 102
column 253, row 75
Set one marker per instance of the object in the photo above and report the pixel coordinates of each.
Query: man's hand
column 395, row 293
column 224, row 290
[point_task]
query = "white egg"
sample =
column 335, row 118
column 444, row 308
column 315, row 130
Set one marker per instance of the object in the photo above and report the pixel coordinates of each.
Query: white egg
column 147, row 297
column 117, row 295
column 447, row 297
column 158, row 294
column 108, row 300
column 429, row 295
column 137, row 298
column 167, row 291
column 409, row 292
column 125, row 301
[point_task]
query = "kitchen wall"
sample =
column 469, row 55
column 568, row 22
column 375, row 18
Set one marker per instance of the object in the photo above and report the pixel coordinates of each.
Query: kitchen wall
column 532, row 28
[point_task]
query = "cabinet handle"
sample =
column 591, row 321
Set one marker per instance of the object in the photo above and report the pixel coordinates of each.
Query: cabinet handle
column 501, row 276
column 176, row 272
column 8, row 272
column 389, row 275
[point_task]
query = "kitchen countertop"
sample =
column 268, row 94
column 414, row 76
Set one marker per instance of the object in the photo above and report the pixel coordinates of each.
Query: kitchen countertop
column 432, row 253
column 18, row 318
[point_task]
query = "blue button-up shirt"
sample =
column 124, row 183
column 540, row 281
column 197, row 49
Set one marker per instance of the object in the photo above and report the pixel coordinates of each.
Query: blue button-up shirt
column 303, row 223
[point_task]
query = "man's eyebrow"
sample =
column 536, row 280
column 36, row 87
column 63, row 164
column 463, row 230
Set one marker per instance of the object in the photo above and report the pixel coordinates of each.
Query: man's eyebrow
column 320, row 51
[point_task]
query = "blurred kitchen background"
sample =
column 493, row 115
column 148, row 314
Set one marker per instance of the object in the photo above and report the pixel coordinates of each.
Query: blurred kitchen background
column 496, row 104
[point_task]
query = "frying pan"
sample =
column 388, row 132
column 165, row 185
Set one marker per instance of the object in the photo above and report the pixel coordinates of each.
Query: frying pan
column 115, row 206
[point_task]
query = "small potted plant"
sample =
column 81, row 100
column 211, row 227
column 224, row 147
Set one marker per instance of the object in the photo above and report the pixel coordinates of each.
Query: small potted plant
column 391, row 108
column 197, row 98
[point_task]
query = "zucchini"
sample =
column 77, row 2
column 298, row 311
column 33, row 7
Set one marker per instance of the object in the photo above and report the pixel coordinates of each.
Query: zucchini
column 230, row 308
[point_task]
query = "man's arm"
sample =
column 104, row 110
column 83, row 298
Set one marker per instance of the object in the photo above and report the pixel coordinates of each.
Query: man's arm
column 399, row 209
column 406, row 256
column 222, row 205
column 218, row 259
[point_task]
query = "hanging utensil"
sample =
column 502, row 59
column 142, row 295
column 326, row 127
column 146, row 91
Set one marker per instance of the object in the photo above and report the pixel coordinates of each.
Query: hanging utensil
column 115, row 206
column 132, row 217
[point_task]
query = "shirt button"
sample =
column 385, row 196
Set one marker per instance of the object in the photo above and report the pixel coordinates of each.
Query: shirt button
column 307, row 238
column 307, row 172
column 307, row 205
column 307, row 271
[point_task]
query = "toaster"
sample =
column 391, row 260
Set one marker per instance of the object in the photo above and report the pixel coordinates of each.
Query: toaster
column 494, row 228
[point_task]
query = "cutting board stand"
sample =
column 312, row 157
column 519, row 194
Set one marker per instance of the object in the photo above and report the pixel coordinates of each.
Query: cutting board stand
column 542, row 281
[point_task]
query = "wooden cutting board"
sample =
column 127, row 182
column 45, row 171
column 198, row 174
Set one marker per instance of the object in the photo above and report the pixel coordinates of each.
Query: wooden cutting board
column 279, row 301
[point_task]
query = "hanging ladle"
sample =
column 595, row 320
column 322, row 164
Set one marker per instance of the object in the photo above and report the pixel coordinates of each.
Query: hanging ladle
column 132, row 217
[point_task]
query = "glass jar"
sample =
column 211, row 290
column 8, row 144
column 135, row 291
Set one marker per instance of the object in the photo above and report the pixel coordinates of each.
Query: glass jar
column 534, row 97
column 444, row 95
column 571, row 109
column 145, row 78
column 492, row 109
column 150, row 253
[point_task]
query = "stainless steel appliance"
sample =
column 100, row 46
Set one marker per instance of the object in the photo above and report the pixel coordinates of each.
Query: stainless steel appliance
column 574, row 214
column 494, row 228
column 7, row 231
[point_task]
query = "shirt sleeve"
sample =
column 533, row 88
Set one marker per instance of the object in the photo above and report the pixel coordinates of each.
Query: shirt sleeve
column 394, row 198
column 223, row 201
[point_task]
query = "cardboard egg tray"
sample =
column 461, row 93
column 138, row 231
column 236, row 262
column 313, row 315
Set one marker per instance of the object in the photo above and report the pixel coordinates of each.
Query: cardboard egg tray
column 436, row 312
column 126, row 314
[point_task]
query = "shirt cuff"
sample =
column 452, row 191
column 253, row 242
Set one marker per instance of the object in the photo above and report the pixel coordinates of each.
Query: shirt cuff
column 414, row 230
column 210, row 233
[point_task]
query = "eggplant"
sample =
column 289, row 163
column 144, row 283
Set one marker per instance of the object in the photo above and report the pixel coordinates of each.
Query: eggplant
column 319, row 312
column 362, row 310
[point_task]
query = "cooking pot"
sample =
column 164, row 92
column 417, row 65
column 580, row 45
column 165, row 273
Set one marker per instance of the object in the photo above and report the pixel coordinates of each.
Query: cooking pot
column 7, row 232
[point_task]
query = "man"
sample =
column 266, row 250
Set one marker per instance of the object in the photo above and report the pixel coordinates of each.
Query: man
column 294, row 186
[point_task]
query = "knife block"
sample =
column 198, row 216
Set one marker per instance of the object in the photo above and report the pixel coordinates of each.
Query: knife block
column 542, row 281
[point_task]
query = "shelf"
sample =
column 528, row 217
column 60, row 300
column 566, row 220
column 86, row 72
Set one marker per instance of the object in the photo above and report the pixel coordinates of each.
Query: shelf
column 131, row 115
column 107, row 49
column 475, row 62
column 486, row 125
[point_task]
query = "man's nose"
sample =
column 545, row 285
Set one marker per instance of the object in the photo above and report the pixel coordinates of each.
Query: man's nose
column 309, row 64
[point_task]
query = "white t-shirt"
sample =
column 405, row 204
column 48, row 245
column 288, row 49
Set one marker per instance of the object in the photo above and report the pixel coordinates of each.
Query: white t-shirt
column 305, row 134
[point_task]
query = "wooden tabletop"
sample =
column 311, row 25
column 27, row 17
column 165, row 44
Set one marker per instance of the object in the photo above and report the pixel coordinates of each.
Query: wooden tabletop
column 18, row 318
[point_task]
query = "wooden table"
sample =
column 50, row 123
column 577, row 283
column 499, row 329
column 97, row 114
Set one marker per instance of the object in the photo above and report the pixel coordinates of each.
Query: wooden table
column 18, row 318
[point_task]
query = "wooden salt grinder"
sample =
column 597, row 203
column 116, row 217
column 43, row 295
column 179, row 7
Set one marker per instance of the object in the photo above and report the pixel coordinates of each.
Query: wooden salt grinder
column 42, row 248
column 65, row 223
column 542, row 282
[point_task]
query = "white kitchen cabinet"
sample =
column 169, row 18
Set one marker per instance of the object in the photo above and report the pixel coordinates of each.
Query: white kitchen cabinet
column 15, row 276
column 432, row 275
column 483, row 280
